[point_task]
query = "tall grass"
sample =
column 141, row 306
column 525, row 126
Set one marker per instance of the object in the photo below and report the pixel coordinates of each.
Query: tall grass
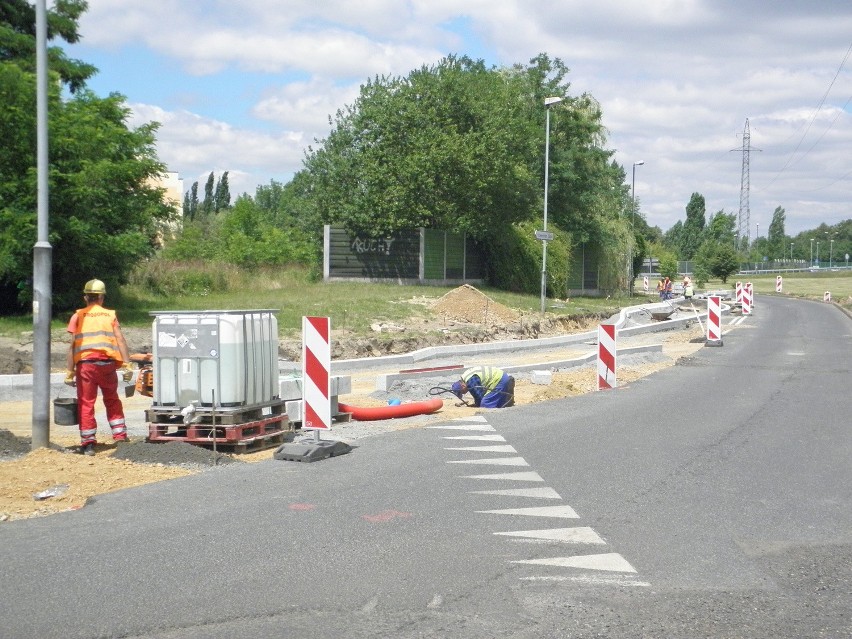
column 294, row 292
column 809, row 285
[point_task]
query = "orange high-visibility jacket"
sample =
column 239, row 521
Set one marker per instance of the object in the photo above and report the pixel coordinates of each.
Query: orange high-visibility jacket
column 95, row 335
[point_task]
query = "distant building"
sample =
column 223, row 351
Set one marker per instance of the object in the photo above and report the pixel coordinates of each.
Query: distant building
column 173, row 196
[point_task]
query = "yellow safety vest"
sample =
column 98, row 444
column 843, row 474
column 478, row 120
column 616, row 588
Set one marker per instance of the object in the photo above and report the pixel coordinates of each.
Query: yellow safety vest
column 489, row 376
column 95, row 335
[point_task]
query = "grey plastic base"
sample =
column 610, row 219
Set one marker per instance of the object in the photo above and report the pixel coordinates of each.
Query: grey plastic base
column 713, row 342
column 310, row 450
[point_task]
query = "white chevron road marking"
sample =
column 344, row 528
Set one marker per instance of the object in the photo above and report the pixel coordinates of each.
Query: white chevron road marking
column 520, row 476
column 467, row 427
column 563, row 512
column 478, row 438
column 487, row 449
column 579, row 535
column 493, row 461
column 610, row 561
column 605, row 580
column 535, row 493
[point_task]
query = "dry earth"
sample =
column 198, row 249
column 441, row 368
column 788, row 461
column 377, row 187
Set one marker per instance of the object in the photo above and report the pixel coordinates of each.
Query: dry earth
column 463, row 315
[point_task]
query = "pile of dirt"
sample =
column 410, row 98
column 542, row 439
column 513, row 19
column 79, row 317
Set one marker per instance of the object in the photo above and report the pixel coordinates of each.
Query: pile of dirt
column 468, row 304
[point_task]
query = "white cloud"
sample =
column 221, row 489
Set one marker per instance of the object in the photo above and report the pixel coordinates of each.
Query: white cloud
column 676, row 80
column 194, row 146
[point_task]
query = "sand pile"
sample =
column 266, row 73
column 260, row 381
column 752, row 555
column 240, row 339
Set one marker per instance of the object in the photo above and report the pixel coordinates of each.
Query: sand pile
column 468, row 304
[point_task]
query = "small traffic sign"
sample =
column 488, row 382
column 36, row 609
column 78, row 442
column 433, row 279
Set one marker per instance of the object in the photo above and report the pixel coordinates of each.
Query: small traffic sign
column 547, row 236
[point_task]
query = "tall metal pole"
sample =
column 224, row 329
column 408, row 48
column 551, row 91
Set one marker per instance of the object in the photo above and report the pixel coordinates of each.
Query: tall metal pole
column 830, row 252
column 42, row 251
column 632, row 231
column 812, row 251
column 547, row 103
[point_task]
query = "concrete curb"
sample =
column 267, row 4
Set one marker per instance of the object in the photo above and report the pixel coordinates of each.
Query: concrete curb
column 545, row 343
column 19, row 387
column 385, row 382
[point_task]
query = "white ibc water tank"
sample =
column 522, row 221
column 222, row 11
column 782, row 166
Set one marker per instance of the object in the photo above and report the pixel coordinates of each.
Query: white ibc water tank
column 229, row 356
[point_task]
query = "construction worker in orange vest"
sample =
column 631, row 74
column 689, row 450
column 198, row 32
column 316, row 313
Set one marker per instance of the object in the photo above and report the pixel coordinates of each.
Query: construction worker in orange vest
column 98, row 350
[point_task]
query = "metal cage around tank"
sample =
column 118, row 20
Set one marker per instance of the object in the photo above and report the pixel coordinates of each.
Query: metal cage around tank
column 215, row 358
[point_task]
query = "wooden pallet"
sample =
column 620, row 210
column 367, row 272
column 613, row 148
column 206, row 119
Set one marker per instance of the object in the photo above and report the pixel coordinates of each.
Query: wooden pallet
column 263, row 433
column 249, row 446
column 230, row 415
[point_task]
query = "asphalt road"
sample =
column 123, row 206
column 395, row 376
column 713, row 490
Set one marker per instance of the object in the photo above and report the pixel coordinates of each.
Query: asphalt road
column 712, row 499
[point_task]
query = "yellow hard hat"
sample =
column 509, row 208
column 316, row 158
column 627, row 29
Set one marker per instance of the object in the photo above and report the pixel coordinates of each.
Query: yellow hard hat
column 95, row 287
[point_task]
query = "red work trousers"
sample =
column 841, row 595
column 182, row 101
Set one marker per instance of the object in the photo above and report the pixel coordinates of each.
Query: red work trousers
column 92, row 375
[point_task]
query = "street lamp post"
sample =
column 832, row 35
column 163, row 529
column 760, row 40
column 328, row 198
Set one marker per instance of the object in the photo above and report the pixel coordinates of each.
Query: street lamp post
column 830, row 251
column 812, row 251
column 791, row 251
column 632, row 227
column 817, row 252
column 547, row 103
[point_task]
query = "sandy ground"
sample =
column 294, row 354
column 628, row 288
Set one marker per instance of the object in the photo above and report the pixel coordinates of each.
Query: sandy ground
column 47, row 481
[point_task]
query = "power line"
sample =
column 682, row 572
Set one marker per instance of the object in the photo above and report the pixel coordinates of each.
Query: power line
column 811, row 121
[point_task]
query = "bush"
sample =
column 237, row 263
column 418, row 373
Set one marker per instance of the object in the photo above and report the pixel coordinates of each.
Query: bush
column 166, row 278
column 515, row 260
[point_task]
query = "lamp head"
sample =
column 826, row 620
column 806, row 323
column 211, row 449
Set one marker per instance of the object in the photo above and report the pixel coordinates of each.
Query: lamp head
column 552, row 100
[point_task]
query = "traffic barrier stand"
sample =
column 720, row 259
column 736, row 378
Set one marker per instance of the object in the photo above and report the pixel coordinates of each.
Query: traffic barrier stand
column 739, row 293
column 714, row 320
column 316, row 397
column 750, row 288
column 606, row 356
column 826, row 297
column 779, row 284
column 746, row 300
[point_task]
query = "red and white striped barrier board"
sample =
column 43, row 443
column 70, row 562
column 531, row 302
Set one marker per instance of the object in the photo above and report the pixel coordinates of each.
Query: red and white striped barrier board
column 316, row 369
column 714, row 320
column 645, row 283
column 747, row 299
column 779, row 284
column 826, row 297
column 606, row 356
column 750, row 287
column 739, row 290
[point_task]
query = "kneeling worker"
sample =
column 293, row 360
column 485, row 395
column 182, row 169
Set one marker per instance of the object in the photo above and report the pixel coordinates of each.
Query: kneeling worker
column 489, row 386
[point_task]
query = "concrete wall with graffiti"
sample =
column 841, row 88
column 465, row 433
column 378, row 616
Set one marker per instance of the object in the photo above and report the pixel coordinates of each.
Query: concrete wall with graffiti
column 421, row 255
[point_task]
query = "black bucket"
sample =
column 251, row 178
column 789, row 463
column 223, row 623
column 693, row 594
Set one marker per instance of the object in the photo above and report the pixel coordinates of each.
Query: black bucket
column 65, row 411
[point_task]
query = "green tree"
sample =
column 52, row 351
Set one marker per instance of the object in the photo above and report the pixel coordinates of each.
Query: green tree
column 722, row 228
column 190, row 202
column 208, row 205
column 18, row 45
column 673, row 237
column 716, row 259
column 693, row 228
column 668, row 265
column 776, row 237
column 222, row 195
column 459, row 146
column 103, row 215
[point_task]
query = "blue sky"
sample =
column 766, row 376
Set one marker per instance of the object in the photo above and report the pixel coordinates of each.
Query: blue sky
column 247, row 86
